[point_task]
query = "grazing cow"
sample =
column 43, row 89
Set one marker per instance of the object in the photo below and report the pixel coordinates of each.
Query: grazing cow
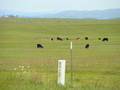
column 39, row 46
column 86, row 38
column 52, row 39
column 67, row 38
column 77, row 38
column 105, row 39
column 59, row 39
column 87, row 46
column 99, row 38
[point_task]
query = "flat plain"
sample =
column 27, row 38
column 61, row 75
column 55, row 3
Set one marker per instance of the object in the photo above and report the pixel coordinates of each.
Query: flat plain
column 24, row 66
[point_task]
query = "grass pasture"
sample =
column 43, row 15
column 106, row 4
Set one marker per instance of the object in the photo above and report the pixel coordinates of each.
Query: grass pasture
column 25, row 67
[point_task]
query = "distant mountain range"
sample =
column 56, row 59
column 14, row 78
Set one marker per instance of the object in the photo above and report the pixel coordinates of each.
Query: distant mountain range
column 97, row 14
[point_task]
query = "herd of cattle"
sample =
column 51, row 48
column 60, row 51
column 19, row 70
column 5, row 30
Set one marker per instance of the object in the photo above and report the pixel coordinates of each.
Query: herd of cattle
column 86, row 38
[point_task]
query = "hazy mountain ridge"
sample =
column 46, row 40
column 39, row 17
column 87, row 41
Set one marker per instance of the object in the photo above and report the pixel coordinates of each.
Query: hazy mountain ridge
column 98, row 14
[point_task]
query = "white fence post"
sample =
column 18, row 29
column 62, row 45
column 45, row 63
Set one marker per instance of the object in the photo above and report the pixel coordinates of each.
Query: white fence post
column 61, row 72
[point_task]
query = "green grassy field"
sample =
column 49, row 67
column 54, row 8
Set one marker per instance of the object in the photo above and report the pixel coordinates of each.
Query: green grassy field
column 96, row 68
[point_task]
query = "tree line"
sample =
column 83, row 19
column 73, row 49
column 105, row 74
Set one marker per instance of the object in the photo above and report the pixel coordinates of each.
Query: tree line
column 10, row 16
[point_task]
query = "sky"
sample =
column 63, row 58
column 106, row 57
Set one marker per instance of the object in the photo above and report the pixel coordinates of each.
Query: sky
column 51, row 5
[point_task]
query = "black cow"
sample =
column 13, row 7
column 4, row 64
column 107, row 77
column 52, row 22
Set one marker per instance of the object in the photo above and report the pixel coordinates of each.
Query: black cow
column 86, row 38
column 67, row 38
column 52, row 39
column 105, row 39
column 87, row 46
column 39, row 46
column 59, row 39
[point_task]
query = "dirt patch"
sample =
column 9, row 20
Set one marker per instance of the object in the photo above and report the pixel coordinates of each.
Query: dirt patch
column 44, row 39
